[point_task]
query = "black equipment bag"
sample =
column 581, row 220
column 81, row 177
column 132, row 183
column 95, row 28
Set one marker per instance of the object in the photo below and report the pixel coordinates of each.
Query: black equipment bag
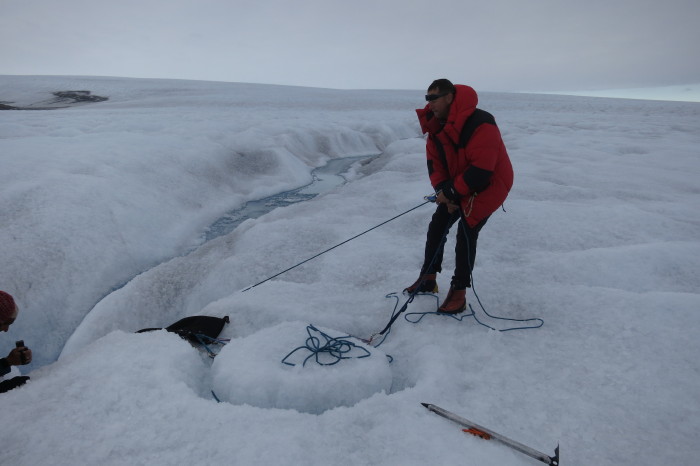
column 195, row 327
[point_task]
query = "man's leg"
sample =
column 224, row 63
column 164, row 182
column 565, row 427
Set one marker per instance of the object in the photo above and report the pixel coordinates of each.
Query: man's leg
column 465, row 253
column 434, row 243
column 434, row 247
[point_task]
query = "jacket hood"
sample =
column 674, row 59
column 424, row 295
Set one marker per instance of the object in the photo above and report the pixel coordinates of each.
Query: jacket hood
column 465, row 101
column 463, row 105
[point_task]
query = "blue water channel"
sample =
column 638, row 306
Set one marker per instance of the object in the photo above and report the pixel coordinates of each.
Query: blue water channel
column 325, row 178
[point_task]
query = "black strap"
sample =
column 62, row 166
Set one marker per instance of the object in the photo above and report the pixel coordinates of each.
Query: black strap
column 476, row 119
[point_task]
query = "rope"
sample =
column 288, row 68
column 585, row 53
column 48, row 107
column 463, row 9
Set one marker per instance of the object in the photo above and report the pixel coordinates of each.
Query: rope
column 395, row 314
column 411, row 316
column 333, row 348
column 218, row 341
column 470, row 203
column 339, row 244
column 535, row 319
column 471, row 277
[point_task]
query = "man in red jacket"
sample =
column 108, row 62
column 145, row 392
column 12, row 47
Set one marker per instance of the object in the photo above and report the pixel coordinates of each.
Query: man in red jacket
column 471, row 173
column 19, row 355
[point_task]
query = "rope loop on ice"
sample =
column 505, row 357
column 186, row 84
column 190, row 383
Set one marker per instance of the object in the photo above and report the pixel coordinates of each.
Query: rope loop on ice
column 416, row 317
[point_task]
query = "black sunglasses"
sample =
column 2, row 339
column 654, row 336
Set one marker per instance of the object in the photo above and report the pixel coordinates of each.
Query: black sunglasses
column 431, row 97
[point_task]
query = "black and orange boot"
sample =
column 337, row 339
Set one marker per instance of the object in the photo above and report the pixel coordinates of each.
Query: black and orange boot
column 455, row 302
column 425, row 284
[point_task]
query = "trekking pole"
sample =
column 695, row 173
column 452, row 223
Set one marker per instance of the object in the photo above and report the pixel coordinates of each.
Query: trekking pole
column 333, row 247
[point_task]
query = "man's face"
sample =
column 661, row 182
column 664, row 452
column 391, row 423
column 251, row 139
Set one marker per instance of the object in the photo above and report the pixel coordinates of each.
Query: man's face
column 439, row 103
column 5, row 324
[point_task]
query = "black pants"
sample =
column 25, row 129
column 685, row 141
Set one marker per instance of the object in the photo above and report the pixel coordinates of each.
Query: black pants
column 465, row 249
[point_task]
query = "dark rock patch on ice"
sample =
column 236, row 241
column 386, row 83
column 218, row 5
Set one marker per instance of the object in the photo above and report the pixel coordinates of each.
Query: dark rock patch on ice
column 78, row 96
column 61, row 99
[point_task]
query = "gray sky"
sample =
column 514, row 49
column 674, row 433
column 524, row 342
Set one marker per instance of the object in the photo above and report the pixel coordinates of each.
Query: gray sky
column 507, row 45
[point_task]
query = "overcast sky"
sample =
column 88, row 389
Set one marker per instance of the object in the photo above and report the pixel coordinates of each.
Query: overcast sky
column 506, row 45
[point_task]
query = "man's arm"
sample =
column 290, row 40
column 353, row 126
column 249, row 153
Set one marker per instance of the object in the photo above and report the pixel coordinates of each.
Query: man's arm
column 484, row 149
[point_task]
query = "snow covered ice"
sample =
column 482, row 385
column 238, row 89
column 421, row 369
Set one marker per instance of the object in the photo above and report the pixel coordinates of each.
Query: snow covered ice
column 248, row 371
column 105, row 206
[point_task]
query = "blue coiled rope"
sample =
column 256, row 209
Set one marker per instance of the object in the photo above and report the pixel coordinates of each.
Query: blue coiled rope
column 323, row 346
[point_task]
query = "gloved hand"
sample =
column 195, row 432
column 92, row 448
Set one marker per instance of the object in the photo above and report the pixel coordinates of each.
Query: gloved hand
column 448, row 196
column 449, row 191
column 19, row 356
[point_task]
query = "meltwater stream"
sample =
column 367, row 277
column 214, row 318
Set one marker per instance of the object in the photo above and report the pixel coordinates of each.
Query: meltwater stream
column 325, row 178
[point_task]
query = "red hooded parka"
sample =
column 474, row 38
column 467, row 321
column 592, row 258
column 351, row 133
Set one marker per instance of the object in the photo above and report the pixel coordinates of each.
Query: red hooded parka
column 480, row 171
